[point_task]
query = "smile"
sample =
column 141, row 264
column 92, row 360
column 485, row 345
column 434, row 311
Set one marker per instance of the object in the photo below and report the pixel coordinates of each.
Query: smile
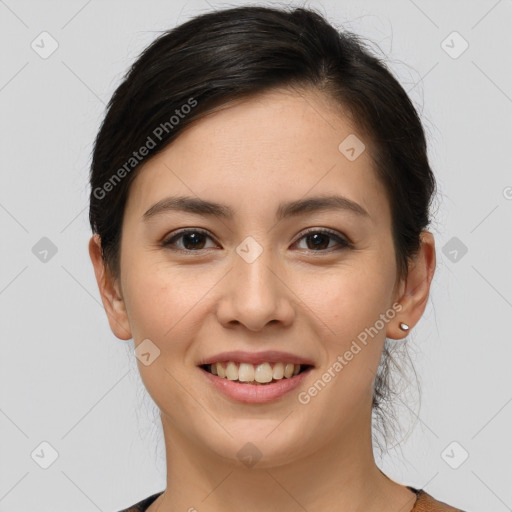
column 264, row 373
column 251, row 391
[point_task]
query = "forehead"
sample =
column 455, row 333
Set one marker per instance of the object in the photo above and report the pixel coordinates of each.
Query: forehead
column 277, row 145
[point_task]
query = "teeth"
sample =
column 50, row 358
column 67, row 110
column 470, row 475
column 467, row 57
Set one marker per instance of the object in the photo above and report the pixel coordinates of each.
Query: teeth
column 221, row 372
column 231, row 371
column 261, row 373
column 246, row 372
column 288, row 370
column 278, row 371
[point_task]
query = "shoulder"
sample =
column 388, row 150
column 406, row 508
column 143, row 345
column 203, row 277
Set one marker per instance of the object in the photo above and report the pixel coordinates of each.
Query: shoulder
column 141, row 506
column 427, row 503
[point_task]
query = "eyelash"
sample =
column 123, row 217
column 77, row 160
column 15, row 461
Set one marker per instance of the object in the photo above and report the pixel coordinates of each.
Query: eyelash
column 345, row 244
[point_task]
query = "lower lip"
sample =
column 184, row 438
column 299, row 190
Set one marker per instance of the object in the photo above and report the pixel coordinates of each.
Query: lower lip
column 255, row 393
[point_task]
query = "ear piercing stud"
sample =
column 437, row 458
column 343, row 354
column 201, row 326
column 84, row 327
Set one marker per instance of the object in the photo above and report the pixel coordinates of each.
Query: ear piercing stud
column 403, row 326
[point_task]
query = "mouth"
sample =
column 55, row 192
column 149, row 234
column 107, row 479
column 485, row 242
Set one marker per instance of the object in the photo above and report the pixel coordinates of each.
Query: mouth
column 255, row 377
column 262, row 374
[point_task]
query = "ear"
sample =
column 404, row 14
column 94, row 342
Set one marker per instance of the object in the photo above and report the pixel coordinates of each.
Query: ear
column 110, row 292
column 414, row 290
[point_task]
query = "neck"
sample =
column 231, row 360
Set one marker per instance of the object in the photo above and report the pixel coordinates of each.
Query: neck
column 341, row 476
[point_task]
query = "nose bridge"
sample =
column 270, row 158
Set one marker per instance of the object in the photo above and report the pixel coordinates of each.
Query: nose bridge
column 255, row 293
column 253, row 273
column 253, row 278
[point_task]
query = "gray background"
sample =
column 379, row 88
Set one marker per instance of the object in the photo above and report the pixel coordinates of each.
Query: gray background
column 67, row 381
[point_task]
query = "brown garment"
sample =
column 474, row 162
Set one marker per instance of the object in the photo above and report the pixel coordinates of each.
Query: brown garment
column 424, row 503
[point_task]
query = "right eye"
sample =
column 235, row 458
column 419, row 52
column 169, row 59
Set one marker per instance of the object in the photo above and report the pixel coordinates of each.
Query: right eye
column 193, row 238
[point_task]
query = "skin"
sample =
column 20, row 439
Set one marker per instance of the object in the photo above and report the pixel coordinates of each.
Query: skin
column 251, row 155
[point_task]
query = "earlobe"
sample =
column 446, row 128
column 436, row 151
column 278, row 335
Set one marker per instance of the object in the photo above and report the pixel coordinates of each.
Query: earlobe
column 416, row 291
column 110, row 292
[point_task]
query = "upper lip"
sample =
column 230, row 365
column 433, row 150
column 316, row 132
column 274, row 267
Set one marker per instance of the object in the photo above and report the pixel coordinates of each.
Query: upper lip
column 267, row 356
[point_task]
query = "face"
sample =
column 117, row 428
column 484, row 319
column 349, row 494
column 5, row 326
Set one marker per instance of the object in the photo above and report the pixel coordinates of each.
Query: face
column 310, row 282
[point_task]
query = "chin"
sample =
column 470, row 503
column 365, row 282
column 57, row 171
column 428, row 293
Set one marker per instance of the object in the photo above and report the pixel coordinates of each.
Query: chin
column 254, row 447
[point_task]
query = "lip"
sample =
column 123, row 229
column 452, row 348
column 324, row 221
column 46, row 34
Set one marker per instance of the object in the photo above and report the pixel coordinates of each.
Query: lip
column 267, row 356
column 254, row 393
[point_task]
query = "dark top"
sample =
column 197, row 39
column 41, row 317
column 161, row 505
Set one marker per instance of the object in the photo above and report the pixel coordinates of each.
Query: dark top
column 141, row 506
column 424, row 503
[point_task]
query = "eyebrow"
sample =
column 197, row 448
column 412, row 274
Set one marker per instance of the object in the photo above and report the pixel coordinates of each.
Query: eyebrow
column 285, row 210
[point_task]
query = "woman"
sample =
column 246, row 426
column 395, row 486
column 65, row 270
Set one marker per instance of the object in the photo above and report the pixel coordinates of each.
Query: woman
column 260, row 194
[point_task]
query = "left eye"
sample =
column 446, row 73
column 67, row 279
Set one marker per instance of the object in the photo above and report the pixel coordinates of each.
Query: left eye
column 193, row 240
column 318, row 239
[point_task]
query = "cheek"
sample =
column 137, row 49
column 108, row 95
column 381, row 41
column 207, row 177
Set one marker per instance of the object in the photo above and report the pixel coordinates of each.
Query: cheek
column 346, row 300
column 165, row 307
column 350, row 303
column 349, row 313
column 162, row 300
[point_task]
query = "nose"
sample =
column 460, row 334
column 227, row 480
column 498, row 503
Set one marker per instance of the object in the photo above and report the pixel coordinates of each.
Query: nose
column 256, row 294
